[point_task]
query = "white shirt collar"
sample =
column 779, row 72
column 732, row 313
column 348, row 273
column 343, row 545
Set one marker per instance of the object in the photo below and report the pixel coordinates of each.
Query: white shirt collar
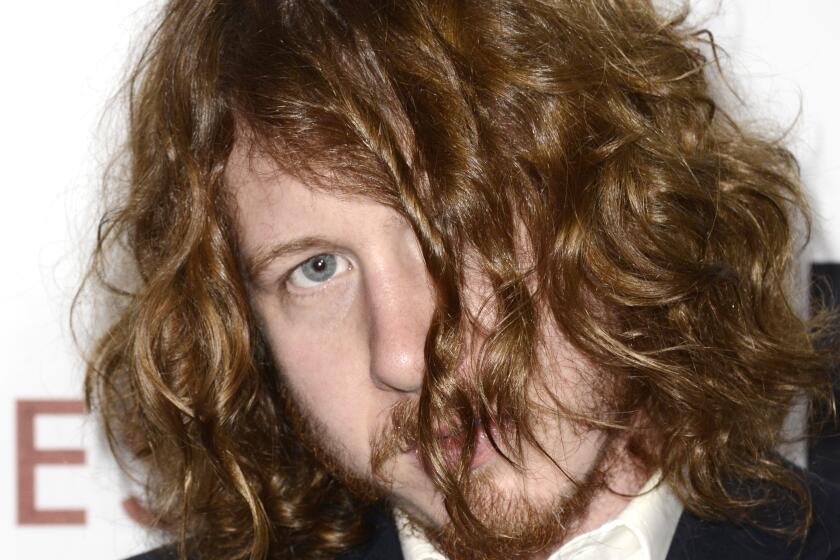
column 642, row 531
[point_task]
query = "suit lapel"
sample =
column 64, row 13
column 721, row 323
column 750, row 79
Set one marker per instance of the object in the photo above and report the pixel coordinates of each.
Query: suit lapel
column 697, row 539
column 385, row 542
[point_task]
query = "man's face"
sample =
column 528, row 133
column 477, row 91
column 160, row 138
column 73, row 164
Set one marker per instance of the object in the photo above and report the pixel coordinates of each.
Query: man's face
column 345, row 302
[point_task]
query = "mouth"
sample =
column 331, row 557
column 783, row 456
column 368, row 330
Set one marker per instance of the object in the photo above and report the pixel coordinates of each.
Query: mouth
column 452, row 444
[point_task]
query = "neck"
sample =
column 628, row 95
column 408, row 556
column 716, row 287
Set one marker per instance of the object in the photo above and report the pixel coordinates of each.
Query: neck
column 625, row 477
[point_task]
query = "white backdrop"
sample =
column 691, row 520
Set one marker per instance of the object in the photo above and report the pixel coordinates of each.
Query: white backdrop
column 61, row 62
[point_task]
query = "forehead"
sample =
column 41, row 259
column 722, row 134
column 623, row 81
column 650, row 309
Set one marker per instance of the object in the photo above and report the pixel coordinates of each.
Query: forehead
column 272, row 206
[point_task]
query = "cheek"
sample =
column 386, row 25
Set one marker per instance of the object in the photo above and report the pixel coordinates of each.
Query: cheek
column 565, row 382
column 323, row 358
column 565, row 376
column 321, row 313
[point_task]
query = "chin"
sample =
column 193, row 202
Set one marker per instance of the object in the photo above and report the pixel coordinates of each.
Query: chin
column 535, row 508
column 517, row 516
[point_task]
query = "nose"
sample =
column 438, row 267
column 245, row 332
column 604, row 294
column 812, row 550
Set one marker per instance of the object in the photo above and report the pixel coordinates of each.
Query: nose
column 401, row 304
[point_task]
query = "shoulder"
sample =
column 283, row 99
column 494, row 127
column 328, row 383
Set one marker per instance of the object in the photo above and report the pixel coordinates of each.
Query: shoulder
column 697, row 538
column 384, row 543
column 162, row 553
column 825, row 531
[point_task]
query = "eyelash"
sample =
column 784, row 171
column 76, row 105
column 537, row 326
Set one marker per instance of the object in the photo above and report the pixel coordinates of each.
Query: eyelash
column 301, row 292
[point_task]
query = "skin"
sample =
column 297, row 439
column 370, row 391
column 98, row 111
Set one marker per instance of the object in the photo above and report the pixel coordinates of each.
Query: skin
column 350, row 344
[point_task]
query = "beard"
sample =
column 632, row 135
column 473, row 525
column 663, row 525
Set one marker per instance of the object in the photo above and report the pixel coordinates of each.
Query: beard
column 503, row 525
column 309, row 435
column 512, row 526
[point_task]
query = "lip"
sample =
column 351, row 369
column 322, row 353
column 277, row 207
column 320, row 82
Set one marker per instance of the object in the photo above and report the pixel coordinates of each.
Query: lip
column 451, row 446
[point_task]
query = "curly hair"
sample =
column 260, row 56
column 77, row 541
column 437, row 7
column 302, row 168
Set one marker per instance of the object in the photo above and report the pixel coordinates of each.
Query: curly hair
column 660, row 236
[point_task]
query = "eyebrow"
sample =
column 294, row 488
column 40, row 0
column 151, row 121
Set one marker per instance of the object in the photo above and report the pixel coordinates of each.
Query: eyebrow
column 256, row 264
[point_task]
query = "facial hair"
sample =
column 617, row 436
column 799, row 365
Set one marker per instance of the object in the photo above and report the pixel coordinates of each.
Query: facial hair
column 333, row 460
column 509, row 527
column 512, row 527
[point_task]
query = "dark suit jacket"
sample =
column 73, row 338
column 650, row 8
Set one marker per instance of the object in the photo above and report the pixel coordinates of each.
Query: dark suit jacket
column 695, row 539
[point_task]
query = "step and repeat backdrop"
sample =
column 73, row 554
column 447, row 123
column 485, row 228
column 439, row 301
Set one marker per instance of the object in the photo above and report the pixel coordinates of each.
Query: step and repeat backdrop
column 62, row 494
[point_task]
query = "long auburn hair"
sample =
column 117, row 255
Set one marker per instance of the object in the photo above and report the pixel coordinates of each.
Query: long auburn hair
column 661, row 237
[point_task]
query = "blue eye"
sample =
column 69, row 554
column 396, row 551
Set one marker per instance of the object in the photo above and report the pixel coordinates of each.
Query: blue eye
column 318, row 270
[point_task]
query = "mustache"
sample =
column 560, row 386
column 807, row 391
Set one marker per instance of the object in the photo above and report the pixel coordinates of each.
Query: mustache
column 398, row 435
column 401, row 434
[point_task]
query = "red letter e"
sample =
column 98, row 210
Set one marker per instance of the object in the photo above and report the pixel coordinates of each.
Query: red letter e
column 29, row 457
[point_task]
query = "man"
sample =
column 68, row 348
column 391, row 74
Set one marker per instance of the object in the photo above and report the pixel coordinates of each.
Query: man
column 434, row 279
